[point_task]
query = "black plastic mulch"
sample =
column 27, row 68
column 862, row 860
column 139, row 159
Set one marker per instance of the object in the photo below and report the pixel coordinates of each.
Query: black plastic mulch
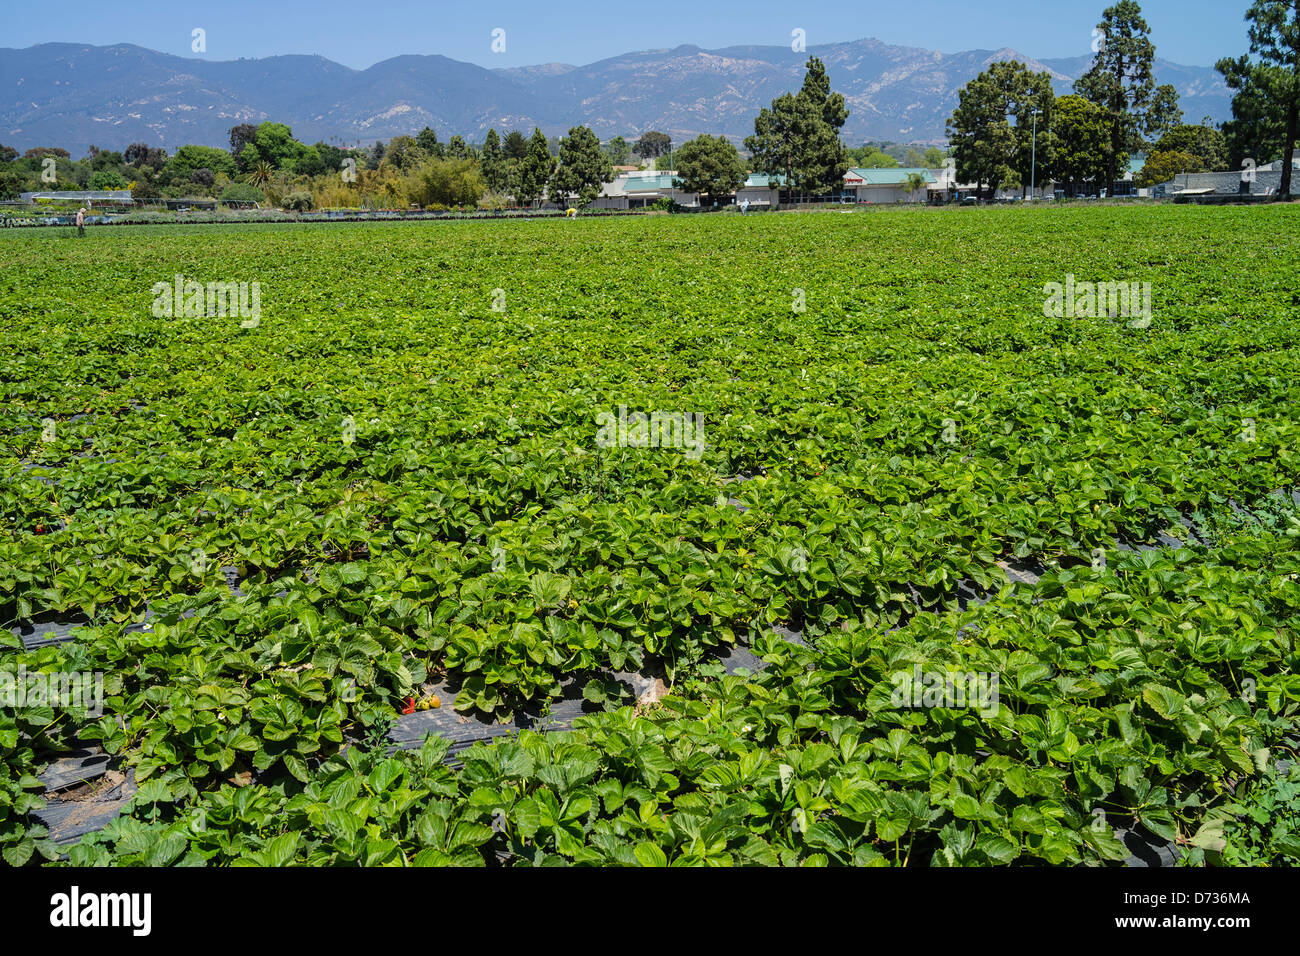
column 85, row 791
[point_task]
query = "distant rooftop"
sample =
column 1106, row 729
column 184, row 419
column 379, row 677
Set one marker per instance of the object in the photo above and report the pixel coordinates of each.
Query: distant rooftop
column 886, row 177
column 649, row 181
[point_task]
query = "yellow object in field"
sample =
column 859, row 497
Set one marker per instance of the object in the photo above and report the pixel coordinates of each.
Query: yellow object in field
column 570, row 213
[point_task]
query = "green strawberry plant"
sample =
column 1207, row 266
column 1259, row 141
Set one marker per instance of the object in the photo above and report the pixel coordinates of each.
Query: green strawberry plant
column 404, row 486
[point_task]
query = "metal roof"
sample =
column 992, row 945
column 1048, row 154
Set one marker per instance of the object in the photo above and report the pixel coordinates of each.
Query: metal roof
column 646, row 182
column 896, row 176
column 1229, row 183
column 649, row 183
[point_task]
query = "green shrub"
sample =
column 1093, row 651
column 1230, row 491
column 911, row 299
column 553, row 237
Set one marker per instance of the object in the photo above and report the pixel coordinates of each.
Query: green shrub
column 107, row 179
column 1265, row 827
column 242, row 192
column 298, row 201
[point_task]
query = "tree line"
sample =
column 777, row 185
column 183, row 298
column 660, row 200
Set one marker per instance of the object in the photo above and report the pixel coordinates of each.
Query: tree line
column 1009, row 128
column 266, row 162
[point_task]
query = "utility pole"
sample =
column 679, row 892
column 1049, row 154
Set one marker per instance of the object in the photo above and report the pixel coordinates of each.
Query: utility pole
column 1033, row 161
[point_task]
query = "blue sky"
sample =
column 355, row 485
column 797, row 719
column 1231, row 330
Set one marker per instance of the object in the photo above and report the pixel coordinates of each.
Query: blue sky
column 581, row 31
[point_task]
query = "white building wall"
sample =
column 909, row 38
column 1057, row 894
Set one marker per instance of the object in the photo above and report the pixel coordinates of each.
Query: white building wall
column 685, row 199
column 758, row 196
column 882, row 194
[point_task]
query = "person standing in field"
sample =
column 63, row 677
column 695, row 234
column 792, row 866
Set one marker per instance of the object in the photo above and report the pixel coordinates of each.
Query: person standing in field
column 81, row 221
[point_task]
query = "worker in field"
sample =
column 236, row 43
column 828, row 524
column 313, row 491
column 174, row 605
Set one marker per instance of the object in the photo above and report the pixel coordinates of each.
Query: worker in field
column 81, row 221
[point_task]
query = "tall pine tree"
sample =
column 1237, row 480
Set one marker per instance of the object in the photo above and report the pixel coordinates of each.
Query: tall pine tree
column 1120, row 79
column 493, row 163
column 535, row 170
column 427, row 140
column 583, row 168
column 798, row 135
column 1268, row 88
column 988, row 148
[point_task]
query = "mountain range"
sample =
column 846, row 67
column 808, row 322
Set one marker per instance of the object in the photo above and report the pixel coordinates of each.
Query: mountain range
column 73, row 95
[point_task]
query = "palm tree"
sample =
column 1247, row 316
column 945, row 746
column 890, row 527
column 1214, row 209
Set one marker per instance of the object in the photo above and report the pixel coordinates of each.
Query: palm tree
column 261, row 174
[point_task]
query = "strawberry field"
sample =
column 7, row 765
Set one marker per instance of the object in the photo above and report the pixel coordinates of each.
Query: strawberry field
column 368, row 582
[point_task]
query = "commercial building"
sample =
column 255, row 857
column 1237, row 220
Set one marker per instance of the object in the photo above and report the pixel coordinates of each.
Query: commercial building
column 886, row 185
column 1262, row 183
column 636, row 190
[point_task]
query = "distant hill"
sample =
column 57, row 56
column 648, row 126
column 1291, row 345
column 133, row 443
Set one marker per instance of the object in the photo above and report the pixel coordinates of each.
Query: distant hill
column 72, row 95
